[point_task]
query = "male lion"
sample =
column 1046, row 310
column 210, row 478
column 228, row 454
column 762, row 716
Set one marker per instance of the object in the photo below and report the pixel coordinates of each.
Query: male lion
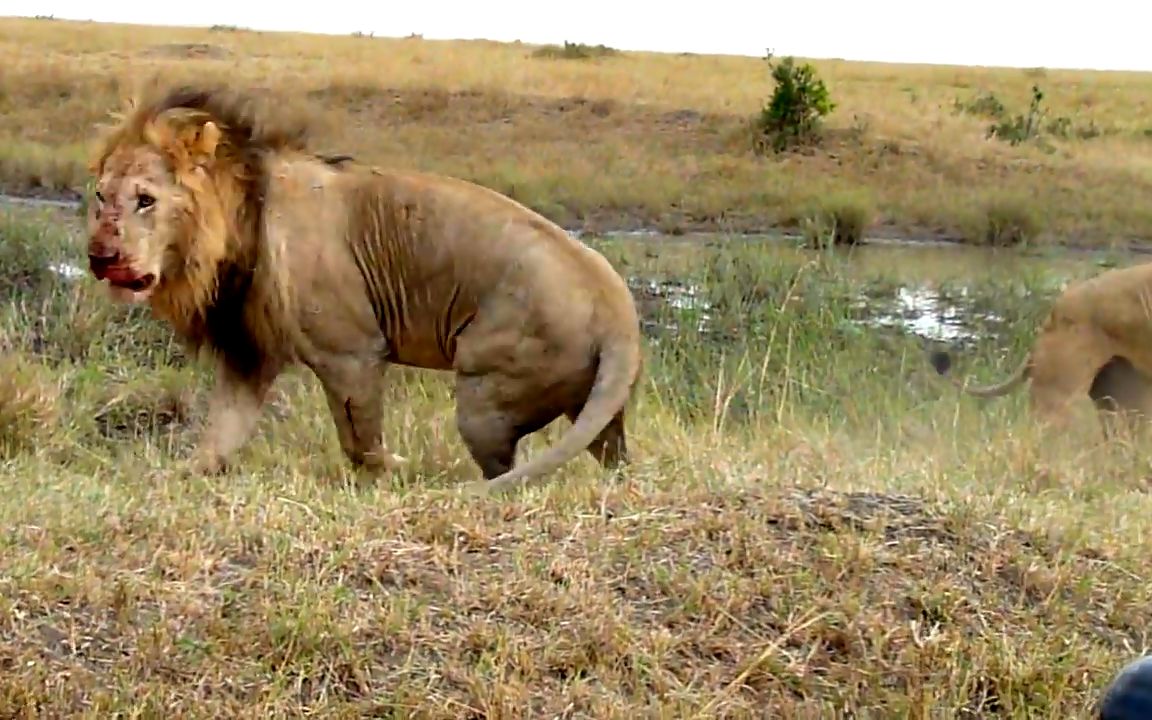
column 267, row 255
column 1095, row 341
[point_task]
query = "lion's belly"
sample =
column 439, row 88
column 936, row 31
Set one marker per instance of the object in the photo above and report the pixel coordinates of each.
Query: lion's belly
column 420, row 353
column 432, row 320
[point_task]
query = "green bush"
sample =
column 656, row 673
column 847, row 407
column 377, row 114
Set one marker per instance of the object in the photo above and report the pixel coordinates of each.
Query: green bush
column 793, row 115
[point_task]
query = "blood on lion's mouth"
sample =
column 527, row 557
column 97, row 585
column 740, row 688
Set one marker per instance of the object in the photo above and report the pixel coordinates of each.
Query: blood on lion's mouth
column 124, row 279
column 137, row 284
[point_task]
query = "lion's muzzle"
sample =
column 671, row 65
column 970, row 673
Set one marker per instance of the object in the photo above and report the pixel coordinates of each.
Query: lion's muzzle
column 108, row 263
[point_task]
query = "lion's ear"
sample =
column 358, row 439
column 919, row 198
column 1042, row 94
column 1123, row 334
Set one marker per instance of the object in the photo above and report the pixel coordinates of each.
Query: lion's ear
column 204, row 143
column 209, row 138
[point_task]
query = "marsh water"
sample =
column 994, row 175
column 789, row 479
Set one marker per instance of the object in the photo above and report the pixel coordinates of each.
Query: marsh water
column 935, row 292
column 715, row 286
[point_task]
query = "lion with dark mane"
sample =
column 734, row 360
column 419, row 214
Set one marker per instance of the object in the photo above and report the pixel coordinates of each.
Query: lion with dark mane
column 267, row 254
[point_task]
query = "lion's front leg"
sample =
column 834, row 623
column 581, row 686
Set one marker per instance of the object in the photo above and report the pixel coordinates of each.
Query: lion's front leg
column 354, row 389
column 233, row 410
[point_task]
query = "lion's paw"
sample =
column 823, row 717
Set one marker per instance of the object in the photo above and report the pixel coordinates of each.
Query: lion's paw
column 392, row 461
column 384, row 462
column 199, row 466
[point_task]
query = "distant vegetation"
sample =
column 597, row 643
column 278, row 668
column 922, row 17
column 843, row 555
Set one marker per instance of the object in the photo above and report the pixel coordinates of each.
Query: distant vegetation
column 574, row 51
column 598, row 138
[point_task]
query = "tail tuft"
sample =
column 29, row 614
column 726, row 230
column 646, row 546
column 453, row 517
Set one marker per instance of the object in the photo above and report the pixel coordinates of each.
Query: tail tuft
column 941, row 361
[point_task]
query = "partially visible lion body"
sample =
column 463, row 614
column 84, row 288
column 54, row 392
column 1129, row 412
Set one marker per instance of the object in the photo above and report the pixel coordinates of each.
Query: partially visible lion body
column 271, row 255
column 1095, row 342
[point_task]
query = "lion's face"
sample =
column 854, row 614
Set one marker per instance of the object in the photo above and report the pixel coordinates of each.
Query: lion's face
column 135, row 220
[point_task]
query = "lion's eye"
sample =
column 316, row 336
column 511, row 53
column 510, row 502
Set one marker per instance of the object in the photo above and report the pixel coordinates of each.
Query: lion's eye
column 144, row 201
column 99, row 196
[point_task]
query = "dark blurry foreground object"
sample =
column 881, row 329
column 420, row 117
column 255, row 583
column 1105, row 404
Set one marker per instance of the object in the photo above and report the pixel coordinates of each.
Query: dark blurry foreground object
column 1129, row 697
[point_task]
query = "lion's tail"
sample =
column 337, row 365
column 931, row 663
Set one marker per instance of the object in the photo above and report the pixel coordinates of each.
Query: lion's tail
column 619, row 365
column 942, row 362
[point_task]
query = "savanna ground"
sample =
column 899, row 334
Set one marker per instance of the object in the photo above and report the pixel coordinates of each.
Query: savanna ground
column 814, row 525
column 600, row 140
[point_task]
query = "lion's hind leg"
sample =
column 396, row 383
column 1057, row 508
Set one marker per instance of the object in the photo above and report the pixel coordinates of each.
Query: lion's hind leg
column 1065, row 364
column 494, row 412
column 1122, row 396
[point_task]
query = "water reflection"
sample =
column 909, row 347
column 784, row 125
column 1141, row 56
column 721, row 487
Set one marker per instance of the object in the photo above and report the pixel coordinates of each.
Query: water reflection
column 926, row 312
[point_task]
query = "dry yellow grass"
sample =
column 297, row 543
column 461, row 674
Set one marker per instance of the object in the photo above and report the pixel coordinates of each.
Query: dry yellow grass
column 624, row 140
column 814, row 527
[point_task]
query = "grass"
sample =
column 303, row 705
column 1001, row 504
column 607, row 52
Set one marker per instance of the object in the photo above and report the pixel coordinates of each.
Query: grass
column 602, row 139
column 812, row 527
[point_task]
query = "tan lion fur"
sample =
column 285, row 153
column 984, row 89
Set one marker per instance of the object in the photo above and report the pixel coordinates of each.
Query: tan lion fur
column 1096, row 341
column 267, row 254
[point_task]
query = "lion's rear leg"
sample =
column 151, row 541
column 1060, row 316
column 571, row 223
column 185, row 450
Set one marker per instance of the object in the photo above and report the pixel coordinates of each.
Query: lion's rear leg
column 493, row 414
column 1064, row 366
column 1122, row 396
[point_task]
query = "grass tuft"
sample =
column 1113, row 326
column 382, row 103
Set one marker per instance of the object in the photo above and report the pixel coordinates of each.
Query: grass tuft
column 837, row 219
column 1005, row 221
column 29, row 404
column 134, row 407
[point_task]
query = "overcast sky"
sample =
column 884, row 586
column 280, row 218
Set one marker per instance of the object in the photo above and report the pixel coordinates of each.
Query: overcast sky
column 1105, row 34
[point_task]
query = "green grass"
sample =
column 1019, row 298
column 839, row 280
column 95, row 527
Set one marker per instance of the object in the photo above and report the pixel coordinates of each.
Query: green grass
column 813, row 525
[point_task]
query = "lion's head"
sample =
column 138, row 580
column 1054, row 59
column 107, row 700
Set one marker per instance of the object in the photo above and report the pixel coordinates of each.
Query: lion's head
column 143, row 214
column 175, row 195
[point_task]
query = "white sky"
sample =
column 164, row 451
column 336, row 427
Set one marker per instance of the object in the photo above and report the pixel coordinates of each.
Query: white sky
column 1105, row 34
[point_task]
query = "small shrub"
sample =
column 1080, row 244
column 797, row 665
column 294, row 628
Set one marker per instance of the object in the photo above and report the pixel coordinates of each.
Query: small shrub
column 574, row 51
column 836, row 219
column 1023, row 127
column 1004, row 221
column 1063, row 127
column 794, row 114
column 983, row 105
